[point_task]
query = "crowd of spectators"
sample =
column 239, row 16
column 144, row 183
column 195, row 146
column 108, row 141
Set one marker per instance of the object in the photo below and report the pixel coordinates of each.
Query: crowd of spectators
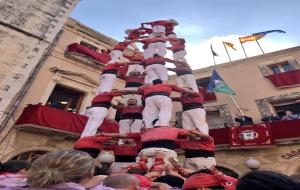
column 75, row 170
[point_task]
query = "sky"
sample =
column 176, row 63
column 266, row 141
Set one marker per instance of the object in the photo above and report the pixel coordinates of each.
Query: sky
column 201, row 23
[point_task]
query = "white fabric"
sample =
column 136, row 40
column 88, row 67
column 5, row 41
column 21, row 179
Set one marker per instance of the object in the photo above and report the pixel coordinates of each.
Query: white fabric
column 150, row 152
column 156, row 71
column 187, row 80
column 96, row 117
column 157, row 107
column 199, row 163
column 180, row 56
column 135, row 68
column 137, row 97
column 130, row 126
column 107, row 82
column 147, row 54
column 115, row 56
column 159, row 29
column 159, row 48
column 195, row 119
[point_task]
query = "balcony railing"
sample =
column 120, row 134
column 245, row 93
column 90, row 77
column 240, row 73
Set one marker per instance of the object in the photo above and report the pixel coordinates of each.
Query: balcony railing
column 285, row 79
column 260, row 135
column 99, row 58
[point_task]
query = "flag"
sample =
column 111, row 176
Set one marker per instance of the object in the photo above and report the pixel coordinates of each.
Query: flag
column 212, row 51
column 217, row 84
column 269, row 31
column 250, row 38
column 228, row 44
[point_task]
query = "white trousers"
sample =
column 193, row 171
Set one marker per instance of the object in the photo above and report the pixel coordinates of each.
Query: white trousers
column 159, row 48
column 180, row 56
column 135, row 68
column 156, row 71
column 195, row 119
column 159, row 29
column 199, row 163
column 96, row 117
column 107, row 82
column 187, row 80
column 126, row 97
column 157, row 107
column 150, row 152
column 130, row 126
column 115, row 56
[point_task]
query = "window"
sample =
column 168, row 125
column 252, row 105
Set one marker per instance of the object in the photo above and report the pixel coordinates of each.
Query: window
column 293, row 106
column 214, row 119
column 65, row 99
column 29, row 156
column 281, row 67
column 88, row 45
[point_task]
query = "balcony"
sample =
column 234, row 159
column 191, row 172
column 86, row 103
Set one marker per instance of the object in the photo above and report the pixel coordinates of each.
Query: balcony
column 83, row 53
column 285, row 79
column 50, row 120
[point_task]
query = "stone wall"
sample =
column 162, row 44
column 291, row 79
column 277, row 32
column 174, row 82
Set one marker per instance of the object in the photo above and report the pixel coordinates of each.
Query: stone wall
column 27, row 30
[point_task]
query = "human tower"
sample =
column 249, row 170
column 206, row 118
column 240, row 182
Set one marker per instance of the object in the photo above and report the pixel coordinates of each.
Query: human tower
column 144, row 125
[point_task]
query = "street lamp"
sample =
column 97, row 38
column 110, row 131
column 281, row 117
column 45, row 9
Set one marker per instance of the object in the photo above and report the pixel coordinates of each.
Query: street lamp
column 252, row 163
column 106, row 158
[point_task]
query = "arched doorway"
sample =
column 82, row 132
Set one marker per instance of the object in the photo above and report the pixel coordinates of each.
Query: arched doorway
column 228, row 172
column 29, row 156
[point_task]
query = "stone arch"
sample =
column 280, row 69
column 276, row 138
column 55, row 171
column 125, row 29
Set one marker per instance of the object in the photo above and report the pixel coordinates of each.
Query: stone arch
column 16, row 152
column 230, row 168
column 293, row 168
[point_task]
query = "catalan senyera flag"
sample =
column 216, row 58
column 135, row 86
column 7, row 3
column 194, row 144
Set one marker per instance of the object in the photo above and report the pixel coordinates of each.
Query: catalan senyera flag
column 251, row 38
column 230, row 45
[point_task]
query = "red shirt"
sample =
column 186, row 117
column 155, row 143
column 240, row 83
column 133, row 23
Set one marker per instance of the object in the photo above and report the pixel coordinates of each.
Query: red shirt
column 126, row 150
column 137, row 33
column 163, row 89
column 135, row 57
column 155, row 60
column 132, row 112
column 202, row 144
column 129, row 79
column 111, row 68
column 160, row 133
column 105, row 97
column 121, row 46
column 168, row 24
column 152, row 40
column 191, row 101
column 178, row 46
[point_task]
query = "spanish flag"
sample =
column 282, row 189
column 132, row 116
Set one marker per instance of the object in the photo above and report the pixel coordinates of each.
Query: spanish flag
column 250, row 38
column 228, row 44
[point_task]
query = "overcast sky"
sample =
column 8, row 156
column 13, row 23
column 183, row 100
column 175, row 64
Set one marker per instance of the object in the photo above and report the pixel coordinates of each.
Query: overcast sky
column 201, row 22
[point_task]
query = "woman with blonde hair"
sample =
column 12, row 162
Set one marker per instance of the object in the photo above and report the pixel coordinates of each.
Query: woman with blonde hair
column 63, row 169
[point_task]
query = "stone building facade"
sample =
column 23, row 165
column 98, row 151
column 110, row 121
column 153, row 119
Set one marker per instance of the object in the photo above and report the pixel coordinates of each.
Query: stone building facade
column 28, row 33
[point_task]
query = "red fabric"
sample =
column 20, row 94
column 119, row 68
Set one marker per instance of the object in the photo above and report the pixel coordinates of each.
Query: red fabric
column 131, row 109
column 121, row 46
column 259, row 135
column 209, row 180
column 285, row 129
column 138, row 56
column 202, row 144
column 195, row 98
column 126, row 150
column 144, row 182
column 105, row 97
column 137, row 79
column 112, row 66
column 162, row 133
column 123, row 70
column 288, row 78
column 146, row 90
column 220, row 136
column 178, row 44
column 207, row 97
column 148, row 41
column 90, row 142
column 155, row 60
column 81, row 49
column 58, row 119
column 168, row 24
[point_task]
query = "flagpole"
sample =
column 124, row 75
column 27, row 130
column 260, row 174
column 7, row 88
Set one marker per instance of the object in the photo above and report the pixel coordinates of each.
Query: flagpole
column 214, row 60
column 227, row 52
column 238, row 107
column 243, row 49
column 260, row 47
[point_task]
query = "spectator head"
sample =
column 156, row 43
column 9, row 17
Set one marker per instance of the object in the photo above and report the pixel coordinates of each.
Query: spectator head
column 122, row 181
column 171, row 180
column 132, row 102
column 15, row 166
column 60, row 167
column 288, row 112
column 266, row 180
column 157, row 81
